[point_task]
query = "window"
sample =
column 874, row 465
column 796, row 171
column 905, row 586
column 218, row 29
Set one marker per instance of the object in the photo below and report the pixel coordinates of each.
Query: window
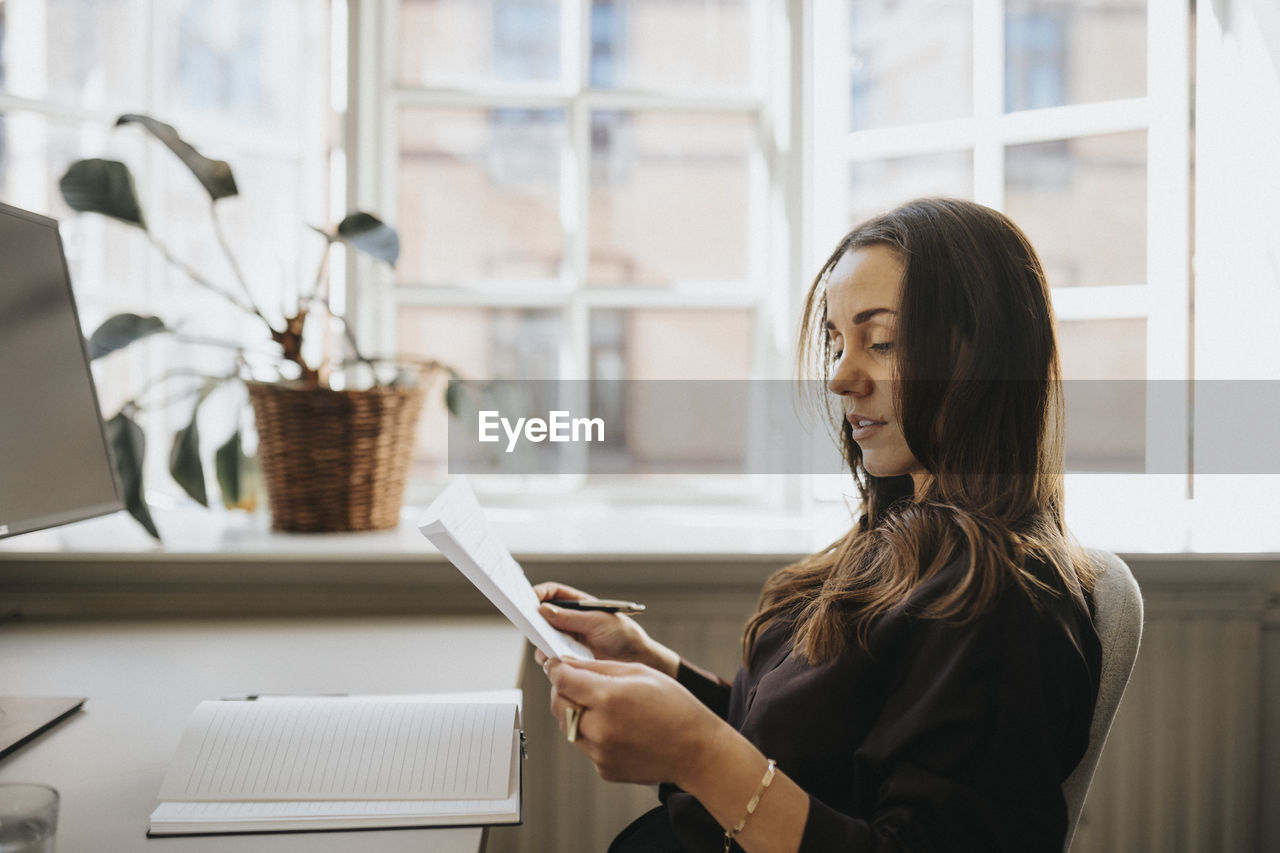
column 611, row 189
column 1073, row 118
column 582, row 189
column 615, row 188
column 243, row 81
column 1036, row 66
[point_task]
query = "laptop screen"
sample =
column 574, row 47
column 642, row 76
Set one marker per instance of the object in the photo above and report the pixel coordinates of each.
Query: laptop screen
column 54, row 464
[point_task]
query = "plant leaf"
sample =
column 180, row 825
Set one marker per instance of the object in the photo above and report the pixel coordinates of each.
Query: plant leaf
column 370, row 235
column 237, row 474
column 128, row 449
column 214, row 175
column 121, row 330
column 226, row 466
column 184, row 462
column 184, row 455
column 453, row 394
column 102, row 186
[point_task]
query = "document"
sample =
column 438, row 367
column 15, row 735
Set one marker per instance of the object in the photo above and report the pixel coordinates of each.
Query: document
column 306, row 763
column 456, row 525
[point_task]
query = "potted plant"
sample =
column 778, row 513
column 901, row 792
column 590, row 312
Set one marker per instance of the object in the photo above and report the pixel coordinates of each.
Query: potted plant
column 333, row 458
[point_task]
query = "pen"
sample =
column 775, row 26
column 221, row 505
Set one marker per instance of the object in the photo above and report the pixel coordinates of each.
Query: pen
column 604, row 605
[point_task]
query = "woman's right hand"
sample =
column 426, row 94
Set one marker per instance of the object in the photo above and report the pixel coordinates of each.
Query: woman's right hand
column 610, row 636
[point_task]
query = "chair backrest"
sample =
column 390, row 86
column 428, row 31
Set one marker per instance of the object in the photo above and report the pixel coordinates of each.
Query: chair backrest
column 1118, row 621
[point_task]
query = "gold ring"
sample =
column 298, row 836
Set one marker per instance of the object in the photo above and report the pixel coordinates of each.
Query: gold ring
column 574, row 714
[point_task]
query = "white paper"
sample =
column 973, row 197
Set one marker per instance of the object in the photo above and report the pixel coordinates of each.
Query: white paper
column 342, row 749
column 177, row 817
column 456, row 525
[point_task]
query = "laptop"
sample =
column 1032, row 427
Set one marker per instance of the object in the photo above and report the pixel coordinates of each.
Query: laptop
column 55, row 466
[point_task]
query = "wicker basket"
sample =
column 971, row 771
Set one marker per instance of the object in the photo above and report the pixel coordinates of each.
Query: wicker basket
column 335, row 460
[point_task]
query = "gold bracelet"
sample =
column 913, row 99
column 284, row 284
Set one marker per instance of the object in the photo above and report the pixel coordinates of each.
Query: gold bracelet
column 751, row 806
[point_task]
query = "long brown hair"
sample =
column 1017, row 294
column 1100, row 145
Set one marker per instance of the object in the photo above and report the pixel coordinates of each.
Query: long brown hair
column 981, row 410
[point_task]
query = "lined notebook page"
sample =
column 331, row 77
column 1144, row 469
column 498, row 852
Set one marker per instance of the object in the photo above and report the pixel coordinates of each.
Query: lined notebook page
column 456, row 525
column 316, row 748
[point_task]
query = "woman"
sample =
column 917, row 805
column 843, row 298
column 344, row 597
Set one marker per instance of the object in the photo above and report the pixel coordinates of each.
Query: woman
column 927, row 681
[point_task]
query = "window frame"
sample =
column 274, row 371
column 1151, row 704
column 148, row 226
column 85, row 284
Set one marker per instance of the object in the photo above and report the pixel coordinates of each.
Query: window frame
column 801, row 139
column 376, row 96
column 1163, row 300
column 152, row 284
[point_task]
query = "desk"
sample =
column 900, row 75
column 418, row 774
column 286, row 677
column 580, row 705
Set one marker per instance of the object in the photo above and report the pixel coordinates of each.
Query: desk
column 144, row 678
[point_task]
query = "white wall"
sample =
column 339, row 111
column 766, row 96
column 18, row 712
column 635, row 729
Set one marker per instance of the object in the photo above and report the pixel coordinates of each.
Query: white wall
column 1237, row 221
column 1237, row 287
column 1237, row 259
column 1267, row 13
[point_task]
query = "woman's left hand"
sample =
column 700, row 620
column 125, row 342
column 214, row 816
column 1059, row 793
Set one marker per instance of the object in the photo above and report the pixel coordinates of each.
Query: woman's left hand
column 636, row 724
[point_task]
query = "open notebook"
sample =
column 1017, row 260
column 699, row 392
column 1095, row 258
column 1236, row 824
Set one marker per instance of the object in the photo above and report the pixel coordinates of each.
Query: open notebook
column 361, row 762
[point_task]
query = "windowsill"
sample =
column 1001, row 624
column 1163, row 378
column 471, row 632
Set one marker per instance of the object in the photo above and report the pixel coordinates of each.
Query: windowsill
column 615, row 532
column 223, row 564
column 574, row 533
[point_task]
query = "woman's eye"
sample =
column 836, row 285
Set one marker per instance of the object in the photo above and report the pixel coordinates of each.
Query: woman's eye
column 883, row 347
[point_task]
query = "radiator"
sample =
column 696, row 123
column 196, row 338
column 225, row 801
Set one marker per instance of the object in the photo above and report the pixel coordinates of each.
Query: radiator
column 1181, row 771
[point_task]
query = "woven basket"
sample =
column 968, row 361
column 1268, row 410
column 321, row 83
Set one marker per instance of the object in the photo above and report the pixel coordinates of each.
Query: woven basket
column 335, row 460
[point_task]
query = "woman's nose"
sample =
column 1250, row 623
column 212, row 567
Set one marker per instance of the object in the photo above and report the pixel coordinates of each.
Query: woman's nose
column 848, row 378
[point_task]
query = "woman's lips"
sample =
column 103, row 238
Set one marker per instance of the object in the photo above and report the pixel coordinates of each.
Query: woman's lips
column 863, row 428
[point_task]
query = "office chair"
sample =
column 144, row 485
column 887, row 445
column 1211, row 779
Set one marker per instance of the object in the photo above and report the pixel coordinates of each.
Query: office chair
column 1118, row 620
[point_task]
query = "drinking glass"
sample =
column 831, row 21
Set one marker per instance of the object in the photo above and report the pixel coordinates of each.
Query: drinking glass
column 28, row 817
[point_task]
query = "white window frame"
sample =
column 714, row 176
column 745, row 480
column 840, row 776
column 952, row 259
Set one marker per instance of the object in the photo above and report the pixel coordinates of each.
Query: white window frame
column 152, row 281
column 375, row 98
column 1164, row 300
column 803, row 137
